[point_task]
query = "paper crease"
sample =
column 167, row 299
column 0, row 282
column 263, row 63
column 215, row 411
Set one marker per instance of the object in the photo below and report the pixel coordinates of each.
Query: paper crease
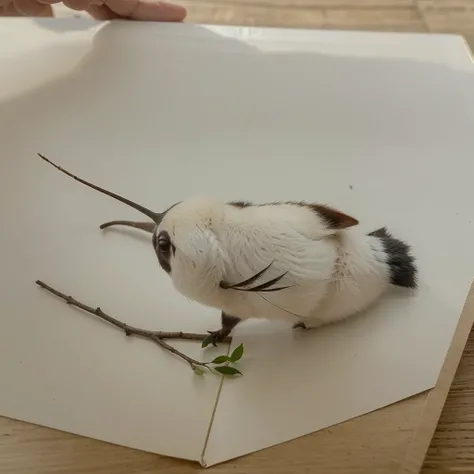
column 211, row 422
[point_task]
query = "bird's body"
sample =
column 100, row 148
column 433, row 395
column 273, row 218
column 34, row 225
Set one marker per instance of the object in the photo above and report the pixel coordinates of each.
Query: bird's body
column 331, row 273
column 308, row 264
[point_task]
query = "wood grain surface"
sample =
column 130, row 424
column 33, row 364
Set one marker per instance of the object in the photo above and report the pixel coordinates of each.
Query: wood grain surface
column 26, row 448
column 452, row 446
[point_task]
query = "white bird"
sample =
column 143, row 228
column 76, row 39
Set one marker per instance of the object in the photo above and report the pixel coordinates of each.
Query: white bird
column 305, row 263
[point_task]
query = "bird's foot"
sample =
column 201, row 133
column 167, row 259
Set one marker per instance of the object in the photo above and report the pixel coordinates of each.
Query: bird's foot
column 214, row 337
column 299, row 326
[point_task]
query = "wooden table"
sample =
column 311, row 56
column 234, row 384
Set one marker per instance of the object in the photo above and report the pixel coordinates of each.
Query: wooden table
column 26, row 448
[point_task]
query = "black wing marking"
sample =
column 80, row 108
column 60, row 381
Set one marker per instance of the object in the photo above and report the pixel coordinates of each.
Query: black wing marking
column 226, row 285
column 263, row 287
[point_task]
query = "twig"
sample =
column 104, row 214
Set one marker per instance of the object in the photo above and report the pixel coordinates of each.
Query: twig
column 155, row 336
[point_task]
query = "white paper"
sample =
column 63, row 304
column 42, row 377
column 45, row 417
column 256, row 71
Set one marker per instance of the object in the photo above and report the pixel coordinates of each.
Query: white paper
column 162, row 112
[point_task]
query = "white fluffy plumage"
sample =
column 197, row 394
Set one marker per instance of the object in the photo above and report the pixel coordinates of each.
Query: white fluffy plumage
column 334, row 270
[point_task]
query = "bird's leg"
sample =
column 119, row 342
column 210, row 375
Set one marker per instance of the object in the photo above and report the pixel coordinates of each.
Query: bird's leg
column 228, row 324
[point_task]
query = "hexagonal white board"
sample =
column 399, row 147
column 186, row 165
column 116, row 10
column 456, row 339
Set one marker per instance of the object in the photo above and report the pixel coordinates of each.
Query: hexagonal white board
column 378, row 125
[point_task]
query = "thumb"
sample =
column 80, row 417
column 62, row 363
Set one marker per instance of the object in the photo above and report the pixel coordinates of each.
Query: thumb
column 147, row 10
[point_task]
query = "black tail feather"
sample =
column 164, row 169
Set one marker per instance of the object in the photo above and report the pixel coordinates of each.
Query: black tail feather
column 400, row 260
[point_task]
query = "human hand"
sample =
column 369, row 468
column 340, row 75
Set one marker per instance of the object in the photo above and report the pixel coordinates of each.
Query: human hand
column 145, row 10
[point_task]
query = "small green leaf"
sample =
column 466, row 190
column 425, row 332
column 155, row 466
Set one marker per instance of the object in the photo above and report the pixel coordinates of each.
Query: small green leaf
column 226, row 370
column 198, row 371
column 207, row 340
column 220, row 360
column 237, row 353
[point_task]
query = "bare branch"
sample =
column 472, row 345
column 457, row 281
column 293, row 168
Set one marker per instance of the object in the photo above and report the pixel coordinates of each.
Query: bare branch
column 155, row 336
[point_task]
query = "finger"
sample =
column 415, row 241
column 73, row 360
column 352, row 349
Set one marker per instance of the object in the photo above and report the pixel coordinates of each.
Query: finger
column 46, row 11
column 77, row 4
column 147, row 10
column 9, row 10
column 33, row 8
column 101, row 12
column 49, row 2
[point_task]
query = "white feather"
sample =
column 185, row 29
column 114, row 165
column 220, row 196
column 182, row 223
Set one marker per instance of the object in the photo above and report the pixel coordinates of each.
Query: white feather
column 334, row 273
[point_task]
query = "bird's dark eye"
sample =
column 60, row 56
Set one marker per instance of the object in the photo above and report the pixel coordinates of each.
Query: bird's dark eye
column 163, row 247
column 164, row 242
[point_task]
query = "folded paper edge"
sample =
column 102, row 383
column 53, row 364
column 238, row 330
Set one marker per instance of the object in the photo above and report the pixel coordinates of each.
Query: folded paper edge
column 422, row 436
column 460, row 336
column 202, row 461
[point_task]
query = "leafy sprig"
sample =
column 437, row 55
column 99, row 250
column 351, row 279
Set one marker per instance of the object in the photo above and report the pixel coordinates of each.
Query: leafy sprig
column 221, row 364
